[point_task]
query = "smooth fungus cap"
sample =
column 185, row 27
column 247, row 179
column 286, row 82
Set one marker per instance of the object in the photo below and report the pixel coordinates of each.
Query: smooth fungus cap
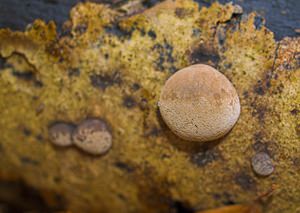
column 199, row 103
column 93, row 136
column 61, row 134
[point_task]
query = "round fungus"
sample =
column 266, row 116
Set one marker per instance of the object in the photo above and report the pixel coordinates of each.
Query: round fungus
column 199, row 103
column 262, row 164
column 92, row 136
column 61, row 134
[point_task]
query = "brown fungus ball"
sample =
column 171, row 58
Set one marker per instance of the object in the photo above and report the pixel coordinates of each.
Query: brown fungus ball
column 93, row 136
column 198, row 103
column 61, row 134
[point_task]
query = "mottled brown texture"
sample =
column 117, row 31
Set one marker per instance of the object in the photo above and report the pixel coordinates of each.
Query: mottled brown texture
column 262, row 164
column 92, row 136
column 61, row 134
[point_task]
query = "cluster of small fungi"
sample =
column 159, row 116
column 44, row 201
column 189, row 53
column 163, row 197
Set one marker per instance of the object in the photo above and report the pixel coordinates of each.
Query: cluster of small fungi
column 91, row 136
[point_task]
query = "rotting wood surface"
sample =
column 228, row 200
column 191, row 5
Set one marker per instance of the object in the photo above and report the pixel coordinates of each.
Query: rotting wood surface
column 112, row 66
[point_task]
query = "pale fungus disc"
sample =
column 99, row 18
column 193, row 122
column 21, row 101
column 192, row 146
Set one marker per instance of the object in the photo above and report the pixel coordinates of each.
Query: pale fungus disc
column 199, row 103
column 262, row 164
column 61, row 134
column 93, row 136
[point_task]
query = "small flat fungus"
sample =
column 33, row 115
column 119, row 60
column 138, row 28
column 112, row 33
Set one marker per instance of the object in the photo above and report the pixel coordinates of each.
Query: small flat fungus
column 262, row 164
column 61, row 134
column 92, row 136
column 199, row 103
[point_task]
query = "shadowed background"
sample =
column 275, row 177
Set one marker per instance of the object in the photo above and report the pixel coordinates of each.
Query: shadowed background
column 282, row 16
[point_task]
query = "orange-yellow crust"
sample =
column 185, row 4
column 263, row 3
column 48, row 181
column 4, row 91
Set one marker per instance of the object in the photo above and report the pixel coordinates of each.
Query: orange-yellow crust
column 113, row 67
